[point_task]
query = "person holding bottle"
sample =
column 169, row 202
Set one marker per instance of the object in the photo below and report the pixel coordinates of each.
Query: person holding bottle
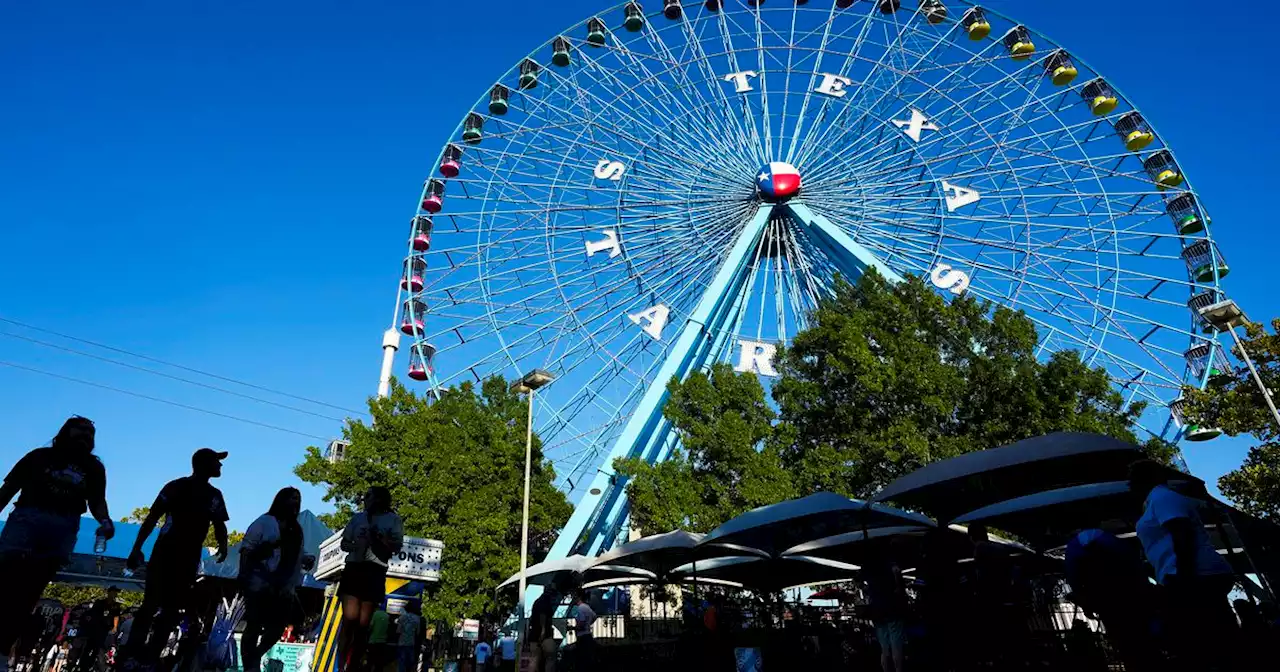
column 189, row 506
column 54, row 486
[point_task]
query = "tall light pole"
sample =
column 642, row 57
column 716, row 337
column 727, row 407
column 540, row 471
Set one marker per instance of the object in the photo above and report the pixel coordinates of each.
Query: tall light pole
column 1226, row 316
column 528, row 383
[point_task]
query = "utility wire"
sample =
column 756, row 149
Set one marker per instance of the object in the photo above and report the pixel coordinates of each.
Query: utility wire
column 167, row 375
column 158, row 399
column 176, row 366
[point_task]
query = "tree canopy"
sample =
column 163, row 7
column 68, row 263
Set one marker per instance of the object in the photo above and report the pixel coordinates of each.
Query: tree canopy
column 1232, row 401
column 886, row 378
column 455, row 468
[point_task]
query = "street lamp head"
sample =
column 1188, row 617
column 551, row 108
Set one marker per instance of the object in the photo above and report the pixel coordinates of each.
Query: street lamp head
column 1224, row 315
column 533, row 380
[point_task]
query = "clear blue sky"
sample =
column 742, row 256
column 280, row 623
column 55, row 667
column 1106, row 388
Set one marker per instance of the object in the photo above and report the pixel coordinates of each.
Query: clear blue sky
column 227, row 185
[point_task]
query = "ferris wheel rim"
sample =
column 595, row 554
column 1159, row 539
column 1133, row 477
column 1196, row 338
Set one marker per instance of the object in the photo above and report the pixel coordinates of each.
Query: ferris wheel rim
column 1111, row 222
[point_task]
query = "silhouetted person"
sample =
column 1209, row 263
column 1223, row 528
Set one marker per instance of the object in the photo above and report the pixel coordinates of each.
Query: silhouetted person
column 272, row 562
column 189, row 506
column 584, row 639
column 887, row 602
column 54, row 486
column 370, row 539
column 999, row 630
column 542, row 634
column 96, row 625
column 1195, row 579
column 1109, row 581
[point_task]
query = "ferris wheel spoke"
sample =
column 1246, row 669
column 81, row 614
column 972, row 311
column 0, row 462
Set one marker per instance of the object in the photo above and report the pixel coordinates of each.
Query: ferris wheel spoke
column 656, row 103
column 1111, row 316
column 960, row 72
column 724, row 125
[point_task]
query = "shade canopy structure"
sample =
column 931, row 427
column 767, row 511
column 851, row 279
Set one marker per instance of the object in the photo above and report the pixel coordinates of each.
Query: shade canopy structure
column 577, row 570
column 857, row 547
column 551, row 571
column 1047, row 519
column 767, row 573
column 956, row 486
column 659, row 554
column 770, row 530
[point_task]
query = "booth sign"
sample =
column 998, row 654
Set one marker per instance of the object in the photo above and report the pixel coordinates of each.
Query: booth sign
column 418, row 559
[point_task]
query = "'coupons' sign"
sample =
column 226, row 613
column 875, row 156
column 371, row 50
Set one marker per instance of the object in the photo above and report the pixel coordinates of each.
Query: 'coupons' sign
column 418, row 559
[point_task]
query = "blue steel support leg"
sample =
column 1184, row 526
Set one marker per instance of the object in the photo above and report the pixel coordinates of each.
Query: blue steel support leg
column 850, row 257
column 597, row 517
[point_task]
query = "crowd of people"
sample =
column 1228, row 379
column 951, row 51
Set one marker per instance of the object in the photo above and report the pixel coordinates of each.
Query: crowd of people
column 1162, row 602
column 57, row 484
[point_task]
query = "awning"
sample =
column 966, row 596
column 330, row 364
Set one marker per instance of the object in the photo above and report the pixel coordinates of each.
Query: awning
column 657, row 555
column 953, row 487
column 546, row 573
column 770, row 530
column 767, row 574
column 1047, row 519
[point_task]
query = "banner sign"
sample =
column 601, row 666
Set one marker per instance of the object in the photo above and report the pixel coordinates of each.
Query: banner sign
column 418, row 559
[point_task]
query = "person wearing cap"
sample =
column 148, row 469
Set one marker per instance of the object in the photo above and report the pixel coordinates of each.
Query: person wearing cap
column 189, row 505
column 54, row 485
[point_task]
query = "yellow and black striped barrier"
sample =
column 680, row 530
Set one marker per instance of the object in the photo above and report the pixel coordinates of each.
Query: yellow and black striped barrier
column 326, row 653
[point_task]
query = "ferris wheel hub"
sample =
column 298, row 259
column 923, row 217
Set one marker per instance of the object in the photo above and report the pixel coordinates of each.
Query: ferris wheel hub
column 777, row 181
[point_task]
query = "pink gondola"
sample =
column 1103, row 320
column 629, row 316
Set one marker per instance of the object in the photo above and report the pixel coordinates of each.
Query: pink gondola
column 422, row 233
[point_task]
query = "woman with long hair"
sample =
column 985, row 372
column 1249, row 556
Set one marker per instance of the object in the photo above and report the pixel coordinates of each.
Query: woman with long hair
column 372, row 537
column 56, row 484
column 272, row 562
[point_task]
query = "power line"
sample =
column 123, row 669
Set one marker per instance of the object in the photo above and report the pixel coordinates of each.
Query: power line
column 158, row 399
column 167, row 375
column 177, row 366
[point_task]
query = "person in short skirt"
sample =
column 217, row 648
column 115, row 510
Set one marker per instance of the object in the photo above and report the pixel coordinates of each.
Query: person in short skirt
column 372, row 537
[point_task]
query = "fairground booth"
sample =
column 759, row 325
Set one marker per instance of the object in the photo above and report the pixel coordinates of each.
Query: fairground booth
column 408, row 574
column 780, row 587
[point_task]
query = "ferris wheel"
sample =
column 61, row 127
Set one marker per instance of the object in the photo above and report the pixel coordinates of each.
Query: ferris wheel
column 663, row 187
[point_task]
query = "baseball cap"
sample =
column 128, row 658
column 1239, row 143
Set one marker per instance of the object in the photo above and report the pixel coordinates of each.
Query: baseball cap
column 207, row 455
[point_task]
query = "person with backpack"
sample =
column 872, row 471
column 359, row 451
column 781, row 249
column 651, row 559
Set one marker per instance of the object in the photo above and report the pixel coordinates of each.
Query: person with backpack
column 370, row 539
column 54, row 486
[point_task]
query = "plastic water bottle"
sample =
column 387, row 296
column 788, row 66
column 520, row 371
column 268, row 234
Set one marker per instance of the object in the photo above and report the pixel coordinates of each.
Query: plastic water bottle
column 99, row 544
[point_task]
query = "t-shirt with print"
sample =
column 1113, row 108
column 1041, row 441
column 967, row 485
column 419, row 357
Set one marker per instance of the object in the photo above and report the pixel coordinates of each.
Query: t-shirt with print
column 190, row 505
column 58, row 481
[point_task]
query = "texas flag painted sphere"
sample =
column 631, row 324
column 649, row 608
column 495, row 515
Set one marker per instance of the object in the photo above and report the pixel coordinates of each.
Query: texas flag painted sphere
column 777, row 180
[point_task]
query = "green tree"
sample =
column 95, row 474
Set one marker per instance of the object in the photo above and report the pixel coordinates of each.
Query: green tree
column 455, row 468
column 140, row 514
column 886, row 378
column 70, row 595
column 889, row 377
column 1233, row 402
column 728, row 464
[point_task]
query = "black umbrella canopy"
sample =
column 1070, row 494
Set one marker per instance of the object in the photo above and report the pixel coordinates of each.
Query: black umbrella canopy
column 768, row 574
column 770, row 530
column 859, row 547
column 1047, row 519
column 660, row 553
column 969, row 482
